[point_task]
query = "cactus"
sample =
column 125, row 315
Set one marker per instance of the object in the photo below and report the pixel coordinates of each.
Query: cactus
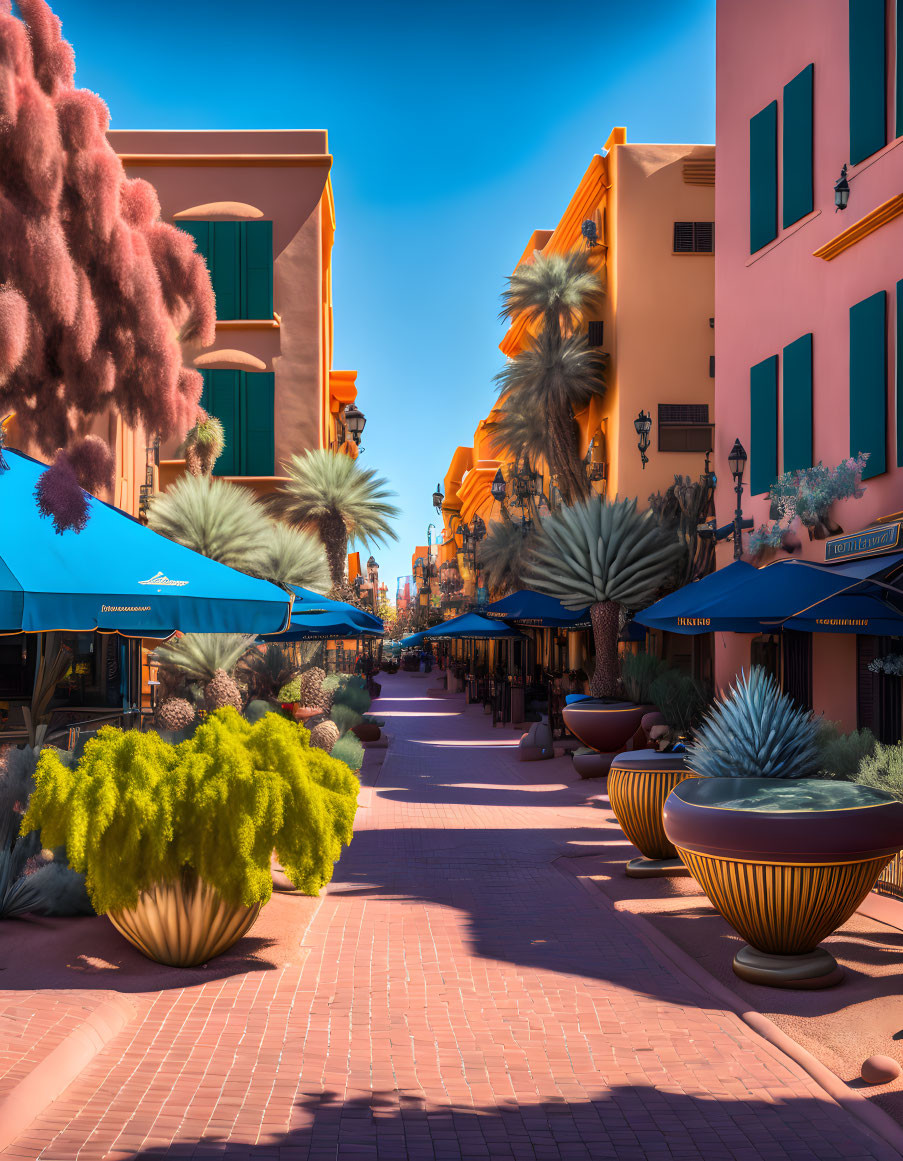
column 222, row 690
column 324, row 735
column 175, row 713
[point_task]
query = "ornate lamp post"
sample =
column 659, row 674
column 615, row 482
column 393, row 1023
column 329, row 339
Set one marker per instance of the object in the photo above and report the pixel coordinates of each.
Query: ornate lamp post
column 737, row 462
column 355, row 421
column 373, row 579
column 643, row 425
column 841, row 191
column 438, row 497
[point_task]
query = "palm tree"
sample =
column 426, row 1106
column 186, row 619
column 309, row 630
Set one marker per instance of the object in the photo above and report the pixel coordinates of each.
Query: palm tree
column 609, row 556
column 342, row 501
column 291, row 556
column 558, row 373
column 504, row 556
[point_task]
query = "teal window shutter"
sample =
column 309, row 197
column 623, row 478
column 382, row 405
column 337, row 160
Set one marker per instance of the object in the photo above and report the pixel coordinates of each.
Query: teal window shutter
column 900, row 374
column 899, row 102
column 220, row 397
column 257, row 423
column 797, row 147
column 226, row 268
column 796, row 402
column 763, row 177
column 763, row 429
column 868, row 381
column 200, row 231
column 868, row 78
column 257, row 270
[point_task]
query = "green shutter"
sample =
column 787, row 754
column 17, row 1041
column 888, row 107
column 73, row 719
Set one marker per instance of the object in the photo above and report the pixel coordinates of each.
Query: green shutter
column 796, row 404
column 200, row 231
column 797, row 147
column 900, row 374
column 868, row 78
column 226, row 268
column 257, row 413
column 257, row 270
column 868, row 381
column 763, row 177
column 220, row 397
column 763, row 427
column 899, row 86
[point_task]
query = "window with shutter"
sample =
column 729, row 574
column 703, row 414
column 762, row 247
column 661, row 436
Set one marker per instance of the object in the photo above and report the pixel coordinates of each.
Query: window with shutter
column 239, row 256
column 797, row 404
column 220, row 397
column 868, row 381
column 763, row 177
column 763, row 435
column 868, row 78
column 684, row 427
column 244, row 402
column 595, row 332
column 797, row 147
column 694, row 237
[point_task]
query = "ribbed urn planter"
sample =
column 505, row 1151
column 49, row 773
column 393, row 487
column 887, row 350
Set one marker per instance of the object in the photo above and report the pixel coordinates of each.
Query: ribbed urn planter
column 183, row 923
column 639, row 782
column 785, row 862
column 604, row 726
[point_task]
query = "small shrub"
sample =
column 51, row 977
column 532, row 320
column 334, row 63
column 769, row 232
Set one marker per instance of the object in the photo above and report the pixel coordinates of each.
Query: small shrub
column 756, row 731
column 680, row 699
column 290, row 692
column 883, row 769
column 348, row 749
column 842, row 754
column 638, row 672
column 135, row 810
column 345, row 718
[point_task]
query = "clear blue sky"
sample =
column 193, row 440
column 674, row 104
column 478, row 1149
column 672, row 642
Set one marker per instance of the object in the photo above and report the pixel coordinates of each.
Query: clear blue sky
column 457, row 129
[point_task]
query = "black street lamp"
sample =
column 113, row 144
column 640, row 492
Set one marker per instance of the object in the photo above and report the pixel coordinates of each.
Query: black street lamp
column 438, row 497
column 737, row 461
column 498, row 486
column 643, row 425
column 355, row 420
column 841, row 191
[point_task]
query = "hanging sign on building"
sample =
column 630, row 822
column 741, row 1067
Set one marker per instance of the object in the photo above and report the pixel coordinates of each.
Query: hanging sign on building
column 871, row 542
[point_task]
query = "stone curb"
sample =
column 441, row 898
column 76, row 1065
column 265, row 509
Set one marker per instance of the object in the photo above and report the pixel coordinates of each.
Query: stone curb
column 877, row 1122
column 33, row 1095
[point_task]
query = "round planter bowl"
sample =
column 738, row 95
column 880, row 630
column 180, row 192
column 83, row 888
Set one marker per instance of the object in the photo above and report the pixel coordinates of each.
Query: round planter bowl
column 603, row 725
column 785, row 862
column 366, row 731
column 183, row 923
column 638, row 784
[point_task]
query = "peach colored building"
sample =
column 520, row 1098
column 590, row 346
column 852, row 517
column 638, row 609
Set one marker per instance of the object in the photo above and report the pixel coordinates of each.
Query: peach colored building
column 809, row 299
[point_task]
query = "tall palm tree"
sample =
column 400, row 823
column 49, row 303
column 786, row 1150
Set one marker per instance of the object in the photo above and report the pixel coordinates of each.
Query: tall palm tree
column 609, row 556
column 557, row 373
column 292, row 556
column 504, row 556
column 340, row 500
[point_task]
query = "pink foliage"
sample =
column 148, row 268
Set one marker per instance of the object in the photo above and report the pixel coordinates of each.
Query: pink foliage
column 58, row 495
column 92, row 463
column 110, row 289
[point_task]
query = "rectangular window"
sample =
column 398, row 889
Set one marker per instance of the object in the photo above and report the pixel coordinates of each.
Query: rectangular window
column 244, row 402
column 868, row 78
column 763, row 427
column 763, row 177
column 694, row 237
column 239, row 256
column 797, row 404
column 796, row 148
column 868, row 381
column 595, row 333
column 684, row 427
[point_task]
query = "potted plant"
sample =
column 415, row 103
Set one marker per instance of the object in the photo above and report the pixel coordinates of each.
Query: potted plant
column 607, row 555
column 640, row 781
column 784, row 856
column 175, row 842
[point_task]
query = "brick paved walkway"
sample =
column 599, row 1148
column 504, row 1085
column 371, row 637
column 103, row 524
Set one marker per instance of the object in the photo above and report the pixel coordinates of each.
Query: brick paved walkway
column 462, row 998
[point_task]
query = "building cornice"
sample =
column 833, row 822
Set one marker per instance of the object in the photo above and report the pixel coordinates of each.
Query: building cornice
column 230, row 160
column 879, row 217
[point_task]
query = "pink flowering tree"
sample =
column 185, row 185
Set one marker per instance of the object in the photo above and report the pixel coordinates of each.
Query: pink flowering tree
column 96, row 292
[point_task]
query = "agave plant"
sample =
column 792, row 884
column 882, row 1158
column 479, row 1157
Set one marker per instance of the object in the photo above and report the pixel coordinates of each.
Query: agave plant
column 756, row 731
column 342, row 501
column 213, row 517
column 605, row 554
column 204, row 444
column 504, row 555
column 291, row 556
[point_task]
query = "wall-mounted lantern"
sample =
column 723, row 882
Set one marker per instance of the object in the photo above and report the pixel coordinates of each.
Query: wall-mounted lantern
column 643, row 425
column 355, row 420
column 841, row 191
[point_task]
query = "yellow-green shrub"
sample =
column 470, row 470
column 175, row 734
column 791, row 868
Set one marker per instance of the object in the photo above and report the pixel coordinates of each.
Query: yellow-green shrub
column 136, row 810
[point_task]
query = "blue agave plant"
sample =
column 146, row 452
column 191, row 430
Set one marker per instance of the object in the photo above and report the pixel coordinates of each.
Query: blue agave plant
column 755, row 731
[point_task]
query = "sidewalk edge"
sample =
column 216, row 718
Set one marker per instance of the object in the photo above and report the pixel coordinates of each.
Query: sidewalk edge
column 874, row 1119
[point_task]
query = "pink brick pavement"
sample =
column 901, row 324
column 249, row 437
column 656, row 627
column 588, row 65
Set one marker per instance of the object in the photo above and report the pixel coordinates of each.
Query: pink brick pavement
column 462, row 998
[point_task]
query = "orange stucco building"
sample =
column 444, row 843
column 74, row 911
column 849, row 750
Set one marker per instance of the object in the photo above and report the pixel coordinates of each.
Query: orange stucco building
column 653, row 208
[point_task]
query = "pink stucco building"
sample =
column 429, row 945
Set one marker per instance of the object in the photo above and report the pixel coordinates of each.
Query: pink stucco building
column 809, row 299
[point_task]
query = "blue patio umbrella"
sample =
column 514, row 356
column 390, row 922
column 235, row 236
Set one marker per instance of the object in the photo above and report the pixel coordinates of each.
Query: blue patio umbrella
column 413, row 639
column 472, row 626
column 317, row 617
column 116, row 575
column 532, row 609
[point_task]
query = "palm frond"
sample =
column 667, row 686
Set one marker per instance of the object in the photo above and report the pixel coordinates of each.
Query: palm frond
column 504, row 556
column 324, row 484
column 602, row 550
column 559, row 287
column 267, row 669
column 200, row 655
column 554, row 374
column 213, row 517
column 292, row 556
column 519, row 428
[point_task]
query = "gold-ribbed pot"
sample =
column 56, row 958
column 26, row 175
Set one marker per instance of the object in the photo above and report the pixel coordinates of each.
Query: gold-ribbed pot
column 639, row 781
column 183, row 923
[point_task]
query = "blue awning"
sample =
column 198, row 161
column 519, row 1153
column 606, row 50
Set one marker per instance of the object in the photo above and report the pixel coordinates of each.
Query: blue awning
column 809, row 596
column 116, row 575
column 315, row 617
column 472, row 626
column 413, row 639
column 529, row 608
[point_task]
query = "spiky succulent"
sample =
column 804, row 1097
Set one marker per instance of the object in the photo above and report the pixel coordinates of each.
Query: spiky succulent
column 213, row 517
column 204, row 444
column 267, row 670
column 200, row 655
column 603, row 550
column 756, row 731
column 638, row 672
column 292, row 556
column 504, row 555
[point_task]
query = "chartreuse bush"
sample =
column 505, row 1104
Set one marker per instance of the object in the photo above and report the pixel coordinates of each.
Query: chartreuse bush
column 136, row 810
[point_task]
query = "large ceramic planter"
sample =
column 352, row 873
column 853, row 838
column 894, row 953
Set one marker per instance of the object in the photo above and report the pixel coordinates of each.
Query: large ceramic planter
column 785, row 863
column 603, row 726
column 183, row 923
column 638, row 784
column 367, row 731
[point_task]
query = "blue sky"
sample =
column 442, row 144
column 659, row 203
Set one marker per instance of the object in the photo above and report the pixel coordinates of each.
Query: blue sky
column 457, row 129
